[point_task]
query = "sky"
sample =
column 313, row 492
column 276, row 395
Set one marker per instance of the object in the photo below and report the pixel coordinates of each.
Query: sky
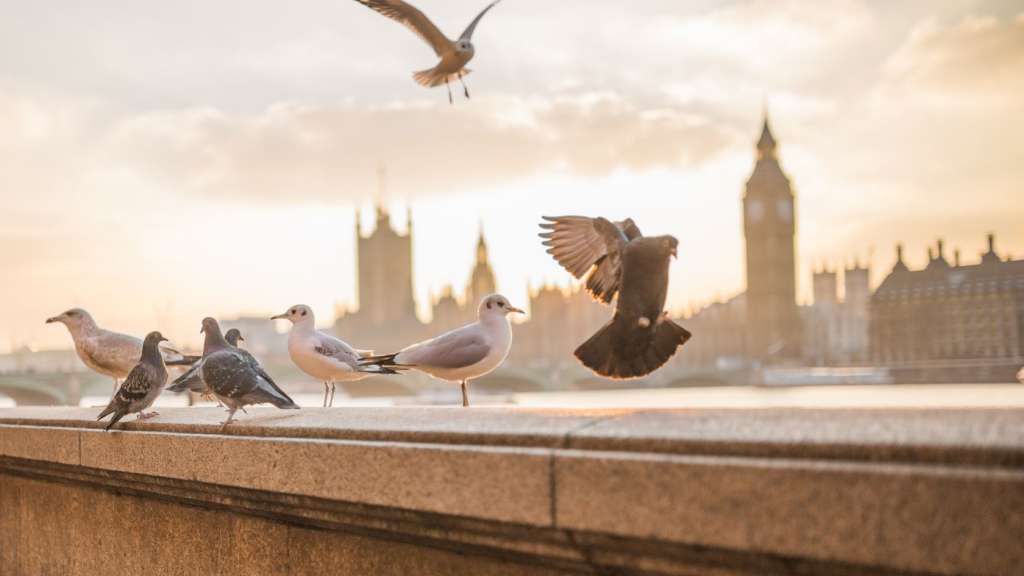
column 165, row 161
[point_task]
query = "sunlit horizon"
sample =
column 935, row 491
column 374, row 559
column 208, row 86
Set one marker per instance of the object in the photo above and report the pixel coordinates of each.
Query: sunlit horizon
column 154, row 188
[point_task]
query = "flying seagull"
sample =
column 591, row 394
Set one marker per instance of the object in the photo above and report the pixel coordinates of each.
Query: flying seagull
column 465, row 353
column 235, row 377
column 144, row 383
column 618, row 260
column 110, row 353
column 323, row 356
column 454, row 55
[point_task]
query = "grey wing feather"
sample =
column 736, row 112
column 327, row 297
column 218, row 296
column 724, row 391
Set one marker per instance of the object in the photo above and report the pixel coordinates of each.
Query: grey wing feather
column 468, row 33
column 591, row 246
column 413, row 19
column 190, row 380
column 452, row 350
column 136, row 386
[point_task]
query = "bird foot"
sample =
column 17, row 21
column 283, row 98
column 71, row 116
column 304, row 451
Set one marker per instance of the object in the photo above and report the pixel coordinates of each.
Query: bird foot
column 147, row 415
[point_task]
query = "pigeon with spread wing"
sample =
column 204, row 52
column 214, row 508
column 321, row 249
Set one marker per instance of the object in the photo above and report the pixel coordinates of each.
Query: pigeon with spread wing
column 617, row 260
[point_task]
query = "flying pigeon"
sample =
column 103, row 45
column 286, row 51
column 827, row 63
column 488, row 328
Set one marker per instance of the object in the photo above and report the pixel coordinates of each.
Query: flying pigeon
column 323, row 356
column 618, row 260
column 110, row 353
column 454, row 55
column 463, row 354
column 144, row 383
column 234, row 376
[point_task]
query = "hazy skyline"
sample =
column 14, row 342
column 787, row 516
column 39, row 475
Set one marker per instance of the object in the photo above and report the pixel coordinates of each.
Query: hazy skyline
column 162, row 162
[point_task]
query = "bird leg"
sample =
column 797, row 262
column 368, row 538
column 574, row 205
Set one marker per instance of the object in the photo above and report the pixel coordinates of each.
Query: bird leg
column 464, row 87
column 449, row 86
column 331, row 404
column 231, row 414
column 143, row 415
column 326, row 387
column 465, row 394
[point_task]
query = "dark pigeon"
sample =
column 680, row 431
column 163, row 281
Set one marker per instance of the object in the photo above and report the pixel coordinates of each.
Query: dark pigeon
column 142, row 386
column 617, row 260
column 191, row 379
column 235, row 377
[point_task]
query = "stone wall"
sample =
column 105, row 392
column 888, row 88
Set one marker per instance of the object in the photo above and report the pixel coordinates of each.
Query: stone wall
column 512, row 491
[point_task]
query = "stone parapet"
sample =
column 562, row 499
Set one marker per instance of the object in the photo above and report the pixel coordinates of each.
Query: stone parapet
column 514, row 491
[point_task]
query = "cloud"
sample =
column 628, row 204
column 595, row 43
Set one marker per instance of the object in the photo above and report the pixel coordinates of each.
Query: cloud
column 291, row 151
column 978, row 62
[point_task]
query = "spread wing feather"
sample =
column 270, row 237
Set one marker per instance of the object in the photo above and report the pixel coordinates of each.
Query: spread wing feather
column 411, row 17
column 591, row 248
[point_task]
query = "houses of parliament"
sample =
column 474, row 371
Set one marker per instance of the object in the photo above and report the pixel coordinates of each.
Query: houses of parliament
column 946, row 311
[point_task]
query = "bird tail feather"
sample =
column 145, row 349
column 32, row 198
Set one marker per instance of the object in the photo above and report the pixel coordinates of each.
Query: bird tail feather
column 117, row 417
column 383, row 364
column 432, row 77
column 274, row 395
column 183, row 361
column 621, row 350
column 106, row 411
column 188, row 381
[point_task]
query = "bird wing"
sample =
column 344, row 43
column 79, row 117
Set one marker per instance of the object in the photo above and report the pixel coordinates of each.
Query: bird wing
column 411, row 17
column 255, row 365
column 590, row 247
column 192, row 380
column 336, row 349
column 228, row 374
column 456, row 349
column 136, row 386
column 115, row 352
column 468, row 34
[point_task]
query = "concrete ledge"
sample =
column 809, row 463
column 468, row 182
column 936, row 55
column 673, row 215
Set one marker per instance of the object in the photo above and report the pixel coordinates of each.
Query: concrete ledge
column 545, row 491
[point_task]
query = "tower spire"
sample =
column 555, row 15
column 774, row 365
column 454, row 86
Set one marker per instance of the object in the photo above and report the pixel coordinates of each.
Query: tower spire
column 766, row 144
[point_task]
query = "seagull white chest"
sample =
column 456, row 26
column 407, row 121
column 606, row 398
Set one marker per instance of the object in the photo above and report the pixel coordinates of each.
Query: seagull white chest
column 303, row 350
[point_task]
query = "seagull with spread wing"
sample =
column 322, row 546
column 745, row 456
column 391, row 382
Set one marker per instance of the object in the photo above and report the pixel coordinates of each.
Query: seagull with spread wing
column 454, row 55
column 617, row 260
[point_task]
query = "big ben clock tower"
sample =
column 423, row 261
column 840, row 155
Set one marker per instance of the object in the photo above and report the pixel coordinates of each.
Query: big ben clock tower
column 769, row 224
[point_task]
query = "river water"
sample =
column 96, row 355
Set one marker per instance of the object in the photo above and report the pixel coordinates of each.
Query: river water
column 832, row 396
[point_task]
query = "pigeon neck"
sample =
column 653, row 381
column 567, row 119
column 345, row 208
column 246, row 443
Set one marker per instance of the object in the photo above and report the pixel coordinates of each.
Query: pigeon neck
column 151, row 353
column 214, row 341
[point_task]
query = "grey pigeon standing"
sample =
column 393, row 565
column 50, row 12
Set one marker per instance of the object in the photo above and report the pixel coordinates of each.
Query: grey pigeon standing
column 192, row 379
column 142, row 386
column 640, row 338
column 454, row 55
column 235, row 377
column 109, row 353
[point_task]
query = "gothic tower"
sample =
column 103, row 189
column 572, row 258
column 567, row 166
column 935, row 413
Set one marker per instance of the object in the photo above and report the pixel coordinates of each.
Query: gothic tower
column 769, row 224
column 385, row 274
column 481, row 282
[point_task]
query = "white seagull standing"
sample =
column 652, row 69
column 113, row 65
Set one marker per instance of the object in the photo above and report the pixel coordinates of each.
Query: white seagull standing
column 323, row 356
column 454, row 55
column 463, row 354
column 110, row 353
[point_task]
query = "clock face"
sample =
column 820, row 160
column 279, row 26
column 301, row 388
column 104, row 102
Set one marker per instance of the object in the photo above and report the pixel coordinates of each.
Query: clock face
column 784, row 208
column 755, row 210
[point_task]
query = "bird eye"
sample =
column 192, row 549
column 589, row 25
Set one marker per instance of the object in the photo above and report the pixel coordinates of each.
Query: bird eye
column 489, row 305
column 303, row 312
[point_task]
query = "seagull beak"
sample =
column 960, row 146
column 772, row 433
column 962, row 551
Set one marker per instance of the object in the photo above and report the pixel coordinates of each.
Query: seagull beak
column 675, row 253
column 279, row 317
column 515, row 310
column 240, row 339
column 202, row 330
column 52, row 320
